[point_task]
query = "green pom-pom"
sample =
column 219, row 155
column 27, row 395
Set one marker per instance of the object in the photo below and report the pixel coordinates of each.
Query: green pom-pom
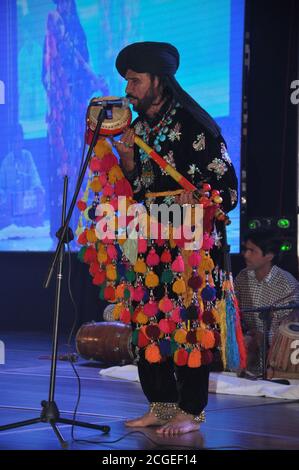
column 81, row 253
column 173, row 346
column 127, row 294
column 135, row 337
column 130, row 275
column 101, row 293
column 167, row 276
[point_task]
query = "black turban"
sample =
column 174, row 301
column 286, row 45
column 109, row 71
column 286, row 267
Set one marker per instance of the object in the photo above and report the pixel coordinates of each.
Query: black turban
column 162, row 59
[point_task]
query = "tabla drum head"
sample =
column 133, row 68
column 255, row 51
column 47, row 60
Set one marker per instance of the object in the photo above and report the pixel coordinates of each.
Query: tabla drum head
column 120, row 118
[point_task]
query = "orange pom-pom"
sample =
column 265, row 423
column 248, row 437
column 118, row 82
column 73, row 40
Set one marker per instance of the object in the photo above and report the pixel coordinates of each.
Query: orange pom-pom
column 208, row 339
column 116, row 311
column 165, row 304
column 91, row 236
column 180, row 336
column 179, row 286
column 140, row 266
column 180, row 357
column 120, row 290
column 96, row 185
column 141, row 318
column 151, row 280
column 82, row 239
column 152, row 353
column 115, row 174
column 111, row 272
column 194, row 359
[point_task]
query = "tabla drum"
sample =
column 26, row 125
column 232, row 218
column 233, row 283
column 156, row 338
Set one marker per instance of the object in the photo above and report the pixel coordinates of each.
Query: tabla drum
column 283, row 357
column 107, row 342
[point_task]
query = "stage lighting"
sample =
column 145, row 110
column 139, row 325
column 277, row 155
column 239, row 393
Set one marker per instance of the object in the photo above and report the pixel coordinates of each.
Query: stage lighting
column 283, row 223
column 286, row 245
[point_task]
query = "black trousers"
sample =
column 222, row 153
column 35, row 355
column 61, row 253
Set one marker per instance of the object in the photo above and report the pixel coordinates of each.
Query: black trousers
column 167, row 383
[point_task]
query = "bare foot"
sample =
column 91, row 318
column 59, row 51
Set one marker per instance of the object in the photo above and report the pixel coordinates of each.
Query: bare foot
column 149, row 419
column 180, row 424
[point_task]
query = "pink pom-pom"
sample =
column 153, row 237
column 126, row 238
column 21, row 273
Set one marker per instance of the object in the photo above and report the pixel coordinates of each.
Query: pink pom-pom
column 152, row 258
column 207, row 242
column 176, row 315
column 194, row 259
column 178, row 264
column 142, row 245
column 167, row 326
column 165, row 305
column 150, row 309
column 123, row 188
column 112, row 251
column 138, row 293
column 103, row 179
column 95, row 165
column 108, row 190
column 108, row 161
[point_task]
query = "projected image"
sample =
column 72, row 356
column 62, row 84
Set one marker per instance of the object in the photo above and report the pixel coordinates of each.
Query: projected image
column 66, row 55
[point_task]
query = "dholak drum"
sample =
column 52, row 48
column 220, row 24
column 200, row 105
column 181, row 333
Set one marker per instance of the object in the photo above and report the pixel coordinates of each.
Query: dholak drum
column 107, row 342
column 283, row 357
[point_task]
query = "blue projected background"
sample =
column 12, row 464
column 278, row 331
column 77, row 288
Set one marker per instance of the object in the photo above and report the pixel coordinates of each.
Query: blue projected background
column 60, row 68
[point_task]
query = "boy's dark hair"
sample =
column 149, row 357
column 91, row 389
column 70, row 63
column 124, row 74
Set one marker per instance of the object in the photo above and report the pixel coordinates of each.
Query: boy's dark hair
column 267, row 240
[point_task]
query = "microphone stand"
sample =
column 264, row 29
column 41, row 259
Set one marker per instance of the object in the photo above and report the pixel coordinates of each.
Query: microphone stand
column 50, row 412
column 264, row 314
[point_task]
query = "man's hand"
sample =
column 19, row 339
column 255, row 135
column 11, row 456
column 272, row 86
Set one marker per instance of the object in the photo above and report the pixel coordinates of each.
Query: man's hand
column 125, row 149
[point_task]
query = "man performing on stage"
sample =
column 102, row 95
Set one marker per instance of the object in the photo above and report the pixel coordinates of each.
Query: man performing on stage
column 187, row 137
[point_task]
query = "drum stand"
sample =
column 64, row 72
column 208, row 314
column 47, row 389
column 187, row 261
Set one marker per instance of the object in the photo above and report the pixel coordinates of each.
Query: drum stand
column 50, row 412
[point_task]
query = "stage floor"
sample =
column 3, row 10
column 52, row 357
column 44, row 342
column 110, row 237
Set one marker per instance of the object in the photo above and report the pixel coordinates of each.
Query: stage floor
column 233, row 422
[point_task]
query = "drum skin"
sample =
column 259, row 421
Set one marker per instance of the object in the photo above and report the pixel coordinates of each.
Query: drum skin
column 107, row 342
column 283, row 358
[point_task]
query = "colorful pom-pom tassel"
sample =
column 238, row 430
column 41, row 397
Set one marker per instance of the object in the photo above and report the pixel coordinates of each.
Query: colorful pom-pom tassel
column 208, row 339
column 191, row 337
column 167, row 276
column 117, row 310
column 208, row 293
column 167, row 326
column 194, row 359
column 206, row 357
column 152, row 353
column 152, row 258
column 109, row 293
column 166, row 304
column 180, row 336
column 151, row 280
column 181, row 357
column 166, row 256
column 179, row 286
column 125, row 315
column 111, row 272
column 195, row 282
column 142, row 339
column 178, row 264
column 142, row 245
column 194, row 259
column 99, row 278
column 140, row 266
column 152, row 331
column 150, row 309
column 138, row 293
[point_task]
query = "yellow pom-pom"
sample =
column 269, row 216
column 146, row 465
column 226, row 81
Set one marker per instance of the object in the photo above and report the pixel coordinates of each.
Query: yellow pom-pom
column 102, row 147
column 102, row 255
column 152, row 353
column 116, row 311
column 142, row 318
column 96, row 185
column 91, row 236
column 115, row 174
column 140, row 266
column 179, row 286
column 111, row 272
column 206, row 263
column 180, row 336
column 151, row 280
column 194, row 359
column 208, row 339
column 119, row 292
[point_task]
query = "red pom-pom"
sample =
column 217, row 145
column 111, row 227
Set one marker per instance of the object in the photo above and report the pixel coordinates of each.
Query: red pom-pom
column 95, row 165
column 81, row 205
column 166, row 257
column 138, row 293
column 195, row 282
column 208, row 317
column 108, row 190
column 108, row 161
column 167, row 326
column 152, row 331
column 191, row 337
column 109, row 293
column 206, row 356
column 142, row 339
column 152, row 258
column 90, row 255
column 112, row 252
column 82, row 239
column 176, row 315
column 150, row 309
column 99, row 278
column 125, row 315
column 178, row 265
column 142, row 245
column 94, row 268
column 194, row 259
column 181, row 357
column 123, row 188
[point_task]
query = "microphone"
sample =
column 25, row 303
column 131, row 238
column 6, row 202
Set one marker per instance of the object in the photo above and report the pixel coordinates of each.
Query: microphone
column 109, row 102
